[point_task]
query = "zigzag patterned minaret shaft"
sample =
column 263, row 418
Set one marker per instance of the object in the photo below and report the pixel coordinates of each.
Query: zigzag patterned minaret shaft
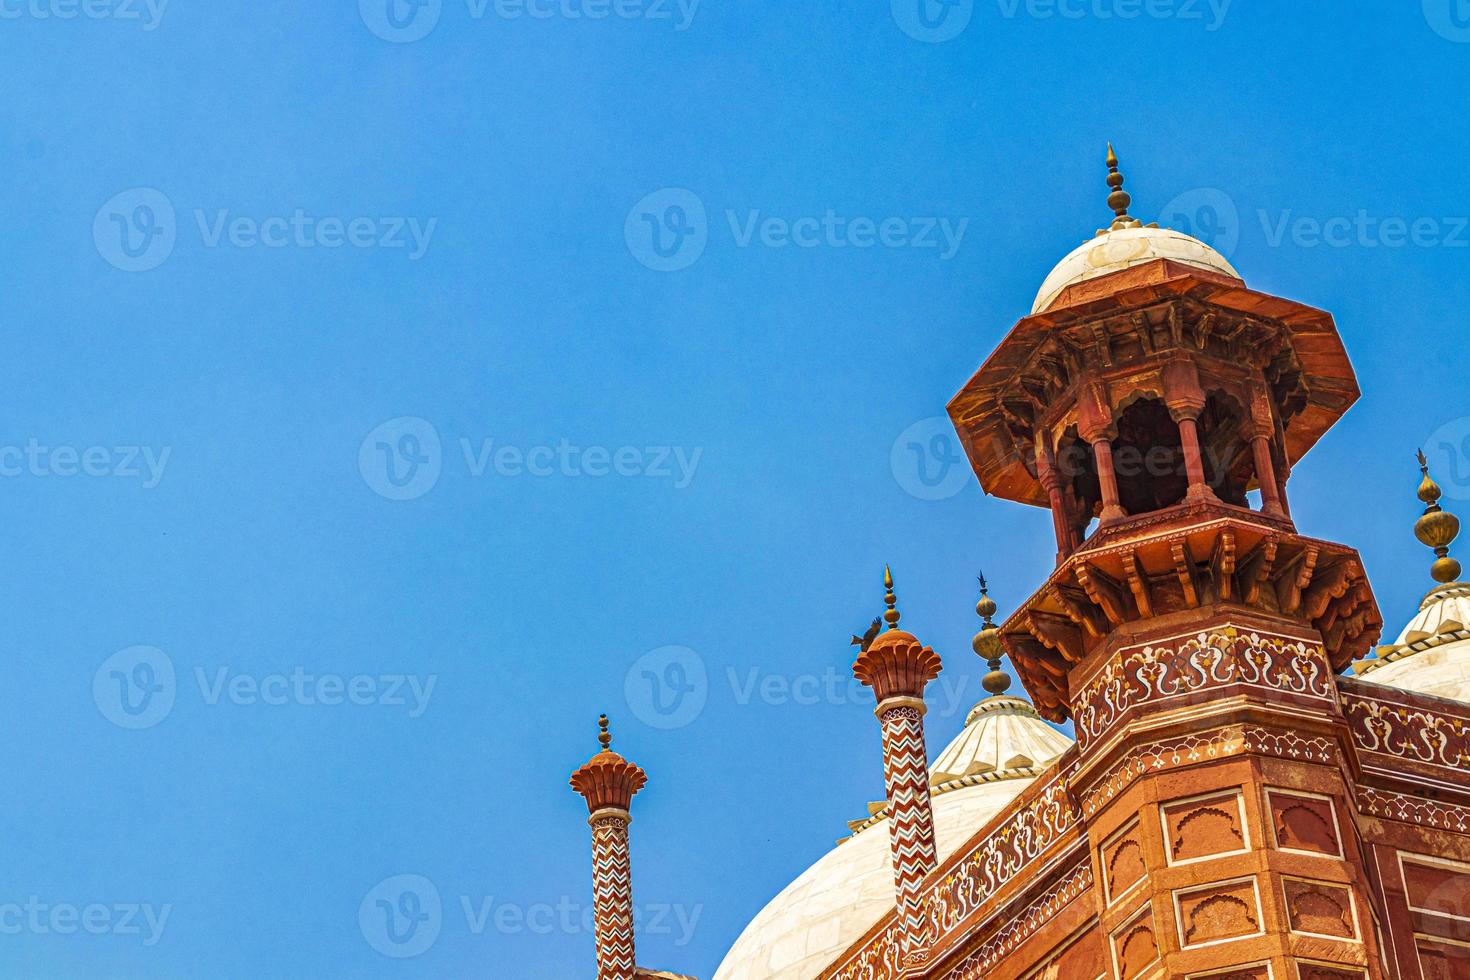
column 897, row 667
column 612, row 892
column 910, row 817
column 609, row 782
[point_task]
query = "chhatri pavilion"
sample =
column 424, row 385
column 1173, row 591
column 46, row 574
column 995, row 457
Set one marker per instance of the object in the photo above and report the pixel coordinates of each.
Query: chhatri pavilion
column 1257, row 789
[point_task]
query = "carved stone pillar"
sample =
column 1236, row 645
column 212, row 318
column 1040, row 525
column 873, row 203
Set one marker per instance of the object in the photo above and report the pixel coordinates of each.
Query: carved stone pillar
column 1186, row 400
column 1263, row 430
column 1107, row 479
column 1095, row 425
column 1193, row 460
column 1266, row 475
column 1051, row 482
column 609, row 782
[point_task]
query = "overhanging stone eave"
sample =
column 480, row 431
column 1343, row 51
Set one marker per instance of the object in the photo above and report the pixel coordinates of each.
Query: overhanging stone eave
column 1221, row 554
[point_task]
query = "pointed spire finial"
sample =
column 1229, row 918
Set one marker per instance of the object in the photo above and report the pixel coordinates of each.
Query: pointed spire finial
column 604, row 737
column 891, row 614
column 987, row 644
column 1118, row 198
column 1436, row 528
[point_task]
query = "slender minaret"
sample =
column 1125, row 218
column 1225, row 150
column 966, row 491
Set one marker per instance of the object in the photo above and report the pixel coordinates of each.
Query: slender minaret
column 609, row 782
column 897, row 667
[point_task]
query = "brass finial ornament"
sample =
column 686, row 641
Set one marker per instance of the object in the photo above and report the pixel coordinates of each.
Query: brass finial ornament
column 604, row 737
column 1436, row 527
column 1118, row 198
column 987, row 642
column 891, row 614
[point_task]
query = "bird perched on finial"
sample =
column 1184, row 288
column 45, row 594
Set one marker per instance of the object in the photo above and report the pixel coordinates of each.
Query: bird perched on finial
column 866, row 640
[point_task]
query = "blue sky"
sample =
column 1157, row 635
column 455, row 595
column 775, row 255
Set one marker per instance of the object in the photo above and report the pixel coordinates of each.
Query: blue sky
column 360, row 442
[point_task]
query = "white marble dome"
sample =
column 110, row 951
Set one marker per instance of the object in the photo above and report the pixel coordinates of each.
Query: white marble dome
column 1124, row 248
column 1432, row 654
column 1003, row 747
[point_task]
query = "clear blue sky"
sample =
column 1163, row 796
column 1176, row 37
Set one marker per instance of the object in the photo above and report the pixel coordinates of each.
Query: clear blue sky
column 741, row 404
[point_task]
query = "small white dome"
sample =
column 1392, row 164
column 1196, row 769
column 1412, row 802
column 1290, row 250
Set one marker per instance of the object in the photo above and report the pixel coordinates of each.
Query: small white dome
column 1432, row 654
column 1002, row 748
column 1124, row 248
column 1001, row 735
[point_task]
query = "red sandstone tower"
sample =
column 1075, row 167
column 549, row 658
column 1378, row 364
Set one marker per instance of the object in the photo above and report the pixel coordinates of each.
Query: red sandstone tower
column 898, row 668
column 1234, row 808
column 1188, row 626
column 609, row 782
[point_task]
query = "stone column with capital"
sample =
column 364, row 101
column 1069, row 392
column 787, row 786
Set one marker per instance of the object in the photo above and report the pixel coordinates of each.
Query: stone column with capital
column 1051, row 482
column 897, row 667
column 1095, row 425
column 1186, row 400
column 1263, row 429
column 608, row 782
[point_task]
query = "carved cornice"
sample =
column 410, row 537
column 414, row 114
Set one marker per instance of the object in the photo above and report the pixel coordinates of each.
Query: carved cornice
column 1175, row 562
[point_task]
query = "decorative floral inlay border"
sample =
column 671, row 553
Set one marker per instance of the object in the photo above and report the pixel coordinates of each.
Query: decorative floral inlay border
column 976, row 877
column 1024, row 924
column 1409, row 809
column 1003, row 855
column 1191, row 749
column 1174, row 668
column 1408, row 731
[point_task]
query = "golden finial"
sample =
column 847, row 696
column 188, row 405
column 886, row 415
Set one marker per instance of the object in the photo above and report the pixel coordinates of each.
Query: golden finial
column 1118, row 198
column 891, row 614
column 604, row 737
column 986, row 643
column 1437, row 527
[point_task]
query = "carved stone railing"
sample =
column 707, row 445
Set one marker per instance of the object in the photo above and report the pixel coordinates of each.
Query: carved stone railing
column 958, row 892
column 1407, row 727
column 1024, row 924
